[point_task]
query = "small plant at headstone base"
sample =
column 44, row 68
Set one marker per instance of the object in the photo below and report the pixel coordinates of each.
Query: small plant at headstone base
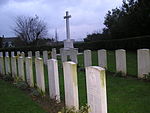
column 49, row 53
column 34, row 93
column 8, row 78
column 83, row 109
column 80, row 68
column 40, row 91
column 17, row 79
column 119, row 74
column 22, row 85
column 147, row 76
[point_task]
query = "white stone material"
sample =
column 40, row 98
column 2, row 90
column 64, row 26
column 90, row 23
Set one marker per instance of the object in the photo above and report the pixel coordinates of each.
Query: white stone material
column 37, row 54
column 73, row 55
column 63, row 54
column 14, row 66
column 2, row 71
column 102, row 58
column 121, row 61
column 45, row 57
column 21, row 73
column 143, row 57
column 18, row 53
column 12, row 54
column 23, row 54
column 71, row 85
column 67, row 25
column 1, row 54
column 54, row 54
column 30, row 54
column 7, row 65
column 6, row 54
column 96, row 89
column 53, row 79
column 40, row 74
column 68, row 43
column 87, row 58
column 29, row 71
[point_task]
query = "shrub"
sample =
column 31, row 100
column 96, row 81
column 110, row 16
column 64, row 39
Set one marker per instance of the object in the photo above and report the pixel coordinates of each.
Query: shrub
column 8, row 77
column 83, row 109
column 22, row 85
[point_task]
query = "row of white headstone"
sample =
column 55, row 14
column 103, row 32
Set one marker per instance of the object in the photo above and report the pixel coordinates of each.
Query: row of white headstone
column 95, row 80
column 143, row 59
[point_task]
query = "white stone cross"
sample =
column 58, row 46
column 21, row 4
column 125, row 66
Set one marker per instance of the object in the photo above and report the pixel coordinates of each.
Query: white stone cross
column 67, row 25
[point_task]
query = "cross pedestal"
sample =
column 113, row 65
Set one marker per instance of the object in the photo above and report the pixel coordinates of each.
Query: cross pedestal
column 68, row 44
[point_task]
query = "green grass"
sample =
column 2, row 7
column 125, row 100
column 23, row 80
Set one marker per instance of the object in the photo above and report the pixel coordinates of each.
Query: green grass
column 125, row 95
column 13, row 100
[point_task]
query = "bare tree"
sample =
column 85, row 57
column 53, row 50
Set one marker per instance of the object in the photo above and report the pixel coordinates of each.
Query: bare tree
column 29, row 29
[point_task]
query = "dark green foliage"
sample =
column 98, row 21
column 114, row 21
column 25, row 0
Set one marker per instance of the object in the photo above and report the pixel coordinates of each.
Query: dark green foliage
column 128, row 44
column 131, row 19
column 83, row 109
column 0, row 42
column 22, row 85
column 8, row 78
column 119, row 74
column 31, row 48
column 34, row 92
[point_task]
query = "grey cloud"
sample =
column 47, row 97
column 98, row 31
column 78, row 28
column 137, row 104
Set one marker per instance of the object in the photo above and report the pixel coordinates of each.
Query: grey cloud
column 3, row 2
column 87, row 15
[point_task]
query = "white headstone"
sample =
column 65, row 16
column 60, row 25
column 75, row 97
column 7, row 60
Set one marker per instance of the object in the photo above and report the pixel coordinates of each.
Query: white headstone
column 96, row 89
column 14, row 66
column 87, row 58
column 21, row 73
column 6, row 54
column 121, row 61
column 1, row 54
column 30, row 54
column 54, row 54
column 37, row 54
column 40, row 74
column 45, row 56
column 2, row 71
column 7, row 65
column 102, row 58
column 53, row 79
column 29, row 71
column 71, row 85
column 18, row 53
column 12, row 54
column 143, row 56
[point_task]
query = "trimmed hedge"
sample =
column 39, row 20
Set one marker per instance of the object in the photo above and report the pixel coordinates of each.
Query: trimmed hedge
column 30, row 48
column 128, row 44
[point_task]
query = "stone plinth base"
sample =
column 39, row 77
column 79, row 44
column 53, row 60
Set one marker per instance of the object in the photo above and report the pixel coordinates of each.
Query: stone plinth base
column 68, row 43
column 71, row 52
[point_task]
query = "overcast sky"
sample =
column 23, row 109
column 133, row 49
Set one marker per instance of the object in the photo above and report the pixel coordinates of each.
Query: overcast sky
column 87, row 15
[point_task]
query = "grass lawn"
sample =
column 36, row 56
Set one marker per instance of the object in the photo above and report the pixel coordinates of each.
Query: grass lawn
column 13, row 100
column 125, row 95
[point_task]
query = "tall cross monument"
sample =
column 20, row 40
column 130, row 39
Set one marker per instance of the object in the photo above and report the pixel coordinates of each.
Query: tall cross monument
column 68, row 49
column 68, row 43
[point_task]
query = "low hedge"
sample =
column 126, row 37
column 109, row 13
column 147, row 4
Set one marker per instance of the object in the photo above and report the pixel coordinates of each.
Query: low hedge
column 128, row 44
